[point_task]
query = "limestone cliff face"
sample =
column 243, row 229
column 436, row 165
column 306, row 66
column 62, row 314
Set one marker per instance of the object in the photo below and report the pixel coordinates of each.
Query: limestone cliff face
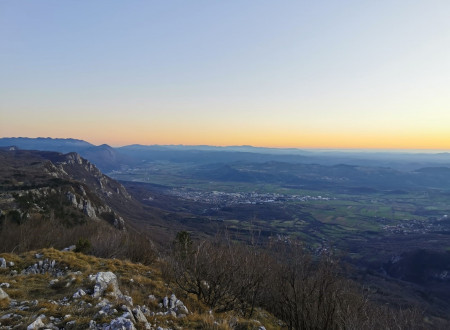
column 80, row 169
column 35, row 182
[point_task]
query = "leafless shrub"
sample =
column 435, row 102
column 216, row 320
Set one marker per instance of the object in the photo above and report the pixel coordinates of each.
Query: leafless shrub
column 311, row 292
column 224, row 275
column 106, row 241
column 303, row 290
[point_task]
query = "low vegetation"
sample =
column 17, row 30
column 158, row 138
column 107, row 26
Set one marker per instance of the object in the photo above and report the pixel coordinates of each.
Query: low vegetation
column 303, row 290
column 95, row 237
column 53, row 296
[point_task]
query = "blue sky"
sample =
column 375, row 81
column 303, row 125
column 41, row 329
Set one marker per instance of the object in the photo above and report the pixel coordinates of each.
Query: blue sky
column 268, row 73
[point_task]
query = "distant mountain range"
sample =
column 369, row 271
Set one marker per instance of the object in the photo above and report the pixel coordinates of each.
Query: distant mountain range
column 108, row 158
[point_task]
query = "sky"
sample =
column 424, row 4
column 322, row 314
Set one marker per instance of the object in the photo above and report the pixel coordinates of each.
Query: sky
column 306, row 74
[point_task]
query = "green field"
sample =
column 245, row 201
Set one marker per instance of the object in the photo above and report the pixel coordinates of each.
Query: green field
column 344, row 216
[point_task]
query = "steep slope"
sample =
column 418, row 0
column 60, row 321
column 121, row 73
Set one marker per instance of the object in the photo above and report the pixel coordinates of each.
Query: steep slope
column 44, row 182
column 104, row 157
column 67, row 187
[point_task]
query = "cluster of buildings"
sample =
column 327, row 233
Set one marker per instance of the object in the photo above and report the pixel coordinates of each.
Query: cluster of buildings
column 225, row 198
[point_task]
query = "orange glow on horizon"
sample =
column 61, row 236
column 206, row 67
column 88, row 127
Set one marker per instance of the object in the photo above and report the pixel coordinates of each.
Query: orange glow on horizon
column 181, row 133
column 331, row 141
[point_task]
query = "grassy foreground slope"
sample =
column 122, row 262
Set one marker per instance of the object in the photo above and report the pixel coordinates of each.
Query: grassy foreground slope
column 143, row 293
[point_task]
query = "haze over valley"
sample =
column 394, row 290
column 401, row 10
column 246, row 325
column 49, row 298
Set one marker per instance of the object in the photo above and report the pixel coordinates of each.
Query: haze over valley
column 352, row 203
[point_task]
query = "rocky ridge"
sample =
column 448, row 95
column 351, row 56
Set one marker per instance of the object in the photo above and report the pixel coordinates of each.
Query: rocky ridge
column 33, row 181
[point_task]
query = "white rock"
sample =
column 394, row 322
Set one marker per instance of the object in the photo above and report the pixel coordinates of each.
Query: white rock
column 183, row 310
column 92, row 324
column 173, row 301
column 128, row 314
column 6, row 285
column 69, row 248
column 103, row 281
column 3, row 294
column 2, row 263
column 80, row 293
column 53, row 282
column 37, row 324
column 140, row 317
column 120, row 323
column 171, row 313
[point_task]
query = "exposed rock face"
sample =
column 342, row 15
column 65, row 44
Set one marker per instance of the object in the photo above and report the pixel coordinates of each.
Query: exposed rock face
column 82, row 203
column 45, row 176
column 106, row 280
column 79, row 167
column 72, row 198
column 88, row 209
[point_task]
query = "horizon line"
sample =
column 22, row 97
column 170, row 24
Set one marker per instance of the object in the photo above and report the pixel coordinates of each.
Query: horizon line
column 297, row 148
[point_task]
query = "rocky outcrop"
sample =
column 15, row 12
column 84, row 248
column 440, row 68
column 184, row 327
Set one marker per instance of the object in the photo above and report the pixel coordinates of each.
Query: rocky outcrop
column 45, row 266
column 98, row 302
column 83, row 170
column 139, row 315
column 3, row 294
column 88, row 209
column 173, row 306
column 120, row 323
column 46, row 176
column 37, row 324
column 104, row 281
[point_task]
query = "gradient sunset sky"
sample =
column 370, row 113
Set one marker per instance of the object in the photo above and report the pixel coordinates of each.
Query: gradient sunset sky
column 317, row 74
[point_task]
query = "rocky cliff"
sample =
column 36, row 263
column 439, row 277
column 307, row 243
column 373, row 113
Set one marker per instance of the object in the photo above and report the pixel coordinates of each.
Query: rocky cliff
column 37, row 182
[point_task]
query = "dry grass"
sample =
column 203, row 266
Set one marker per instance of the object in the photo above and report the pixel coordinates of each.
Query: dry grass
column 4, row 303
column 136, row 280
column 106, row 241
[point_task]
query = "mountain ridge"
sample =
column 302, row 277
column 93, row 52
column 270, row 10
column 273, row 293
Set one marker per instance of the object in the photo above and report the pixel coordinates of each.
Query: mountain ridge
column 109, row 158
